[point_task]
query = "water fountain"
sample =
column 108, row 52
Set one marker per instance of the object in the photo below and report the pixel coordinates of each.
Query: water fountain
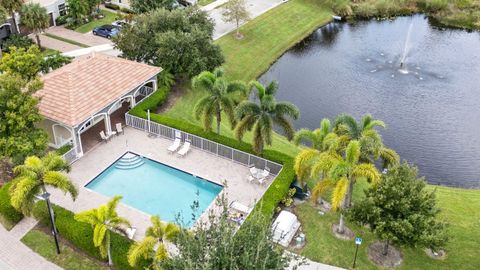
column 405, row 50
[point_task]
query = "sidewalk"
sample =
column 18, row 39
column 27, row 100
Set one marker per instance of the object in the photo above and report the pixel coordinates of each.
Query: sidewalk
column 14, row 255
column 254, row 7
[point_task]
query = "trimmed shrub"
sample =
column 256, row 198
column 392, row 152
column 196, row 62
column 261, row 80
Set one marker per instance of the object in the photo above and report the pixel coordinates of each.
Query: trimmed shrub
column 81, row 234
column 60, row 20
column 112, row 6
column 9, row 214
column 127, row 10
column 277, row 189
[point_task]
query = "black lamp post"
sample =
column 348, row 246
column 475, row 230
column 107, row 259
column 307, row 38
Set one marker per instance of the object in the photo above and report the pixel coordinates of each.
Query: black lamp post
column 46, row 197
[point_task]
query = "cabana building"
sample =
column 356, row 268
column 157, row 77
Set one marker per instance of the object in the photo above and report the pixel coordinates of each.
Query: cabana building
column 90, row 95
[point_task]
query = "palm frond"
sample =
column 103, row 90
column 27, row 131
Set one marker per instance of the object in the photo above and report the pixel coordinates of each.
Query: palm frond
column 246, row 108
column 389, row 157
column 257, row 140
column 320, row 188
column 60, row 181
column 326, row 161
column 304, row 134
column 352, row 153
column 204, row 81
column 285, row 125
column 88, row 216
column 243, row 126
column 171, row 231
column 345, row 122
column 208, row 116
column 367, row 170
column 161, row 253
column 288, row 109
column 303, row 163
column 202, row 105
column 325, row 126
column 139, row 250
column 271, row 88
column 368, row 122
column 53, row 162
column 260, row 88
column 23, row 192
column 99, row 232
column 112, row 204
column 339, row 193
column 228, row 107
column 237, row 86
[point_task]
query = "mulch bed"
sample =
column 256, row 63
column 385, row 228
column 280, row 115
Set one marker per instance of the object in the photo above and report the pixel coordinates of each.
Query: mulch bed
column 178, row 90
column 439, row 255
column 393, row 258
column 346, row 235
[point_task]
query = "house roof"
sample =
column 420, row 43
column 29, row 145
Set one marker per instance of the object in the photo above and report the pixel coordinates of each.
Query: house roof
column 75, row 92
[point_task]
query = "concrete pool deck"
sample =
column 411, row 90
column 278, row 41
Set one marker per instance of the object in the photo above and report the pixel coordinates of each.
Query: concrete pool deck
column 197, row 162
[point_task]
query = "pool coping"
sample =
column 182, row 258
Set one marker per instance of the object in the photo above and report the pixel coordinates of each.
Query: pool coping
column 156, row 161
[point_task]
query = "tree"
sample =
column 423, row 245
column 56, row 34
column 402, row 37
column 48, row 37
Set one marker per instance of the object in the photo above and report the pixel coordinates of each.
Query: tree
column 369, row 138
column 3, row 17
column 144, row 6
column 400, row 211
column 19, row 134
column 261, row 117
column 104, row 220
column 218, row 99
column 215, row 245
column 54, row 61
column 236, row 11
column 12, row 6
column 340, row 174
column 315, row 137
column 35, row 18
column 152, row 247
column 179, row 41
column 77, row 10
column 34, row 175
column 24, row 63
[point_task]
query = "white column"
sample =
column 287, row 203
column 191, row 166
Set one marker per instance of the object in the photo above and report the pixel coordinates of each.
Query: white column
column 108, row 128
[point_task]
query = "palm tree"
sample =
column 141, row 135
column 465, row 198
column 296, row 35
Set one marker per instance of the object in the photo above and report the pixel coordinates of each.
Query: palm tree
column 261, row 117
column 31, row 181
column 315, row 137
column 219, row 98
column 34, row 175
column 153, row 245
column 35, row 18
column 104, row 219
column 341, row 173
column 371, row 144
column 11, row 6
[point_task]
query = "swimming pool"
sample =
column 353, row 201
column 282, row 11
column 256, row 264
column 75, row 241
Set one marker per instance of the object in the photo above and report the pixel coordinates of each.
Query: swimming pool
column 155, row 188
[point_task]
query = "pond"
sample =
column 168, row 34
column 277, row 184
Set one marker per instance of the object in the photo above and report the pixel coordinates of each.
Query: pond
column 431, row 105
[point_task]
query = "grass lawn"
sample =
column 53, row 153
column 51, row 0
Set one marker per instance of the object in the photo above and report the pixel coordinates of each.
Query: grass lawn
column 108, row 19
column 66, row 40
column 464, row 229
column 44, row 245
column 266, row 38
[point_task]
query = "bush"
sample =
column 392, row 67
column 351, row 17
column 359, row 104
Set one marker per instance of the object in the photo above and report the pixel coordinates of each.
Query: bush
column 60, row 20
column 112, row 6
column 64, row 149
column 127, row 10
column 81, row 234
column 9, row 215
column 277, row 189
column 17, row 40
column 365, row 10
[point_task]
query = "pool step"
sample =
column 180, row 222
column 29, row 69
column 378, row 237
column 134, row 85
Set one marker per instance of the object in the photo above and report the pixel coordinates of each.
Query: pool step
column 129, row 161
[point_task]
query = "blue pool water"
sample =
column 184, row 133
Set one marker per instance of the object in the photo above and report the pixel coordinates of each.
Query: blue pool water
column 155, row 188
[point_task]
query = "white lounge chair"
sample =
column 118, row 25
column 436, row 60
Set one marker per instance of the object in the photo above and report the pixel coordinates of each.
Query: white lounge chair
column 104, row 137
column 131, row 232
column 119, row 128
column 174, row 147
column 252, row 169
column 184, row 150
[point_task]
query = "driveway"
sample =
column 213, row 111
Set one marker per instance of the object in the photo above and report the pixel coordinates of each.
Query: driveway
column 254, row 7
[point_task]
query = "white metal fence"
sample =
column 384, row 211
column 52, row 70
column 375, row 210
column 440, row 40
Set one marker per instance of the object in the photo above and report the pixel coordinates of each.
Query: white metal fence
column 70, row 156
column 203, row 144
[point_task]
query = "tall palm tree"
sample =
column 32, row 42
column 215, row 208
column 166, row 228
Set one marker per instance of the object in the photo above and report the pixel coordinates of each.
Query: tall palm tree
column 341, row 173
column 12, row 6
column 153, row 245
column 104, row 220
column 371, row 143
column 32, row 178
column 34, row 175
column 315, row 137
column 219, row 97
column 35, row 18
column 261, row 117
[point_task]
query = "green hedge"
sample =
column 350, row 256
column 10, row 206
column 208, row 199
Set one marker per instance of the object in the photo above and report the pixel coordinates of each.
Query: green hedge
column 81, row 234
column 277, row 189
column 9, row 215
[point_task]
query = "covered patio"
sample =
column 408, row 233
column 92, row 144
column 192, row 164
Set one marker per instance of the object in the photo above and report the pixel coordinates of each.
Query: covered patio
column 91, row 95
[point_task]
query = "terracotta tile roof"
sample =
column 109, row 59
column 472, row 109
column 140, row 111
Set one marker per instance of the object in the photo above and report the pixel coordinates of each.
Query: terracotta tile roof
column 74, row 92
